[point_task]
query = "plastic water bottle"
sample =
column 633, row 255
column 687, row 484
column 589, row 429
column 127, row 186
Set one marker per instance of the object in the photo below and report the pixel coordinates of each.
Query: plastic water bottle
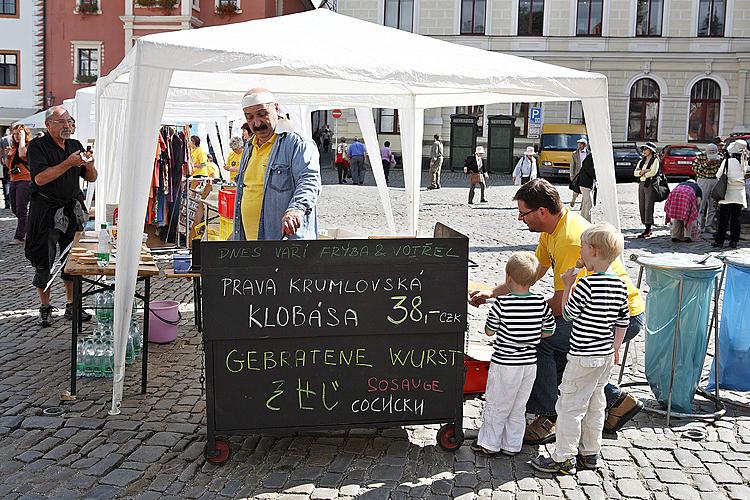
column 104, row 302
column 108, row 363
column 129, row 351
column 90, row 365
column 81, row 357
column 135, row 333
column 102, row 249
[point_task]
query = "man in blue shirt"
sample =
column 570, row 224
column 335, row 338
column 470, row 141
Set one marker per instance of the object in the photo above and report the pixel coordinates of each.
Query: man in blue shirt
column 356, row 154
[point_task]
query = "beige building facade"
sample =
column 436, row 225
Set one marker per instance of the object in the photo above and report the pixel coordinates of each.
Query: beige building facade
column 677, row 69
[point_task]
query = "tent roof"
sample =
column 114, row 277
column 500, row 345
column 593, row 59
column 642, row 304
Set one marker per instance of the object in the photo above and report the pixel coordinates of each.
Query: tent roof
column 365, row 71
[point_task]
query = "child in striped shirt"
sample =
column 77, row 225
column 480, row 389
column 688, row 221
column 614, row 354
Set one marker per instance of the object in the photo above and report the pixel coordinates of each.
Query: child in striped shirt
column 597, row 306
column 520, row 319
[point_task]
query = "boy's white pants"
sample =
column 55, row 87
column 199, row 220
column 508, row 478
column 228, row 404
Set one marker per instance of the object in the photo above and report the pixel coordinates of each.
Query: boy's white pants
column 504, row 418
column 581, row 405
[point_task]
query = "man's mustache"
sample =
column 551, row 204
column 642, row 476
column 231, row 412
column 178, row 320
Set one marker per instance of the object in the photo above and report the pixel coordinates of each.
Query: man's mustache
column 260, row 127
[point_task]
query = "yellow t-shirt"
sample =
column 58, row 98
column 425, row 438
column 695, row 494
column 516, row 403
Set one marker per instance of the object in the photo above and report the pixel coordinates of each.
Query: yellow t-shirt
column 213, row 170
column 561, row 249
column 233, row 161
column 200, row 159
column 252, row 192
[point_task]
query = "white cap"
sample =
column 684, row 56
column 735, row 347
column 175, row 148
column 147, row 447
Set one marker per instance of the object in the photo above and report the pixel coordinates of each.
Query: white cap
column 529, row 150
column 257, row 96
column 736, row 147
column 583, row 140
column 479, row 150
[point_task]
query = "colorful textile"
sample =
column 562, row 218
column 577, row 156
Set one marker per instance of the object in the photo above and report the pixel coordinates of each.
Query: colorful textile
column 682, row 204
column 705, row 168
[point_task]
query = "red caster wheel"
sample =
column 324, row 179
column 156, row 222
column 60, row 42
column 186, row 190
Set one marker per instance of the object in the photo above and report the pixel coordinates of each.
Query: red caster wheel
column 447, row 439
column 222, row 454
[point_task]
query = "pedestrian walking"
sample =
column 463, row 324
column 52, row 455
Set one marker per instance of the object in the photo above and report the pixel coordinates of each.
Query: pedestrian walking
column 526, row 167
column 735, row 168
column 342, row 162
column 681, row 211
column 325, row 137
column 386, row 156
column 436, row 162
column 645, row 171
column 56, row 208
column 474, row 167
column 20, row 179
column 705, row 167
column 586, row 185
column 519, row 321
column 356, row 153
column 576, row 162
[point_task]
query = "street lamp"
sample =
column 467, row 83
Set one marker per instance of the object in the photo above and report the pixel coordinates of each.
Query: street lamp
column 50, row 99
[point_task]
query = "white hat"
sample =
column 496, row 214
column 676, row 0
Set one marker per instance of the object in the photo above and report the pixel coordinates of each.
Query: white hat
column 583, row 140
column 254, row 97
column 736, row 147
column 479, row 150
column 529, row 150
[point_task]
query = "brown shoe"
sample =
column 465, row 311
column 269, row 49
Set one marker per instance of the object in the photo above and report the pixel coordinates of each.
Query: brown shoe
column 540, row 431
column 625, row 408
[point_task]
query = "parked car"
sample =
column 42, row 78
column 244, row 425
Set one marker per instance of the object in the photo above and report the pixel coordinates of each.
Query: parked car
column 677, row 159
column 626, row 156
column 557, row 143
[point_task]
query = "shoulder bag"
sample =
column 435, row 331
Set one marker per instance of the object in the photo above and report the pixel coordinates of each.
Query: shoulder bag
column 719, row 191
column 575, row 184
column 475, row 178
column 660, row 185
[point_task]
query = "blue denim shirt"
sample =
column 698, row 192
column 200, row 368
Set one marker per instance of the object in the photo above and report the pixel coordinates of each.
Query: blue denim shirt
column 292, row 182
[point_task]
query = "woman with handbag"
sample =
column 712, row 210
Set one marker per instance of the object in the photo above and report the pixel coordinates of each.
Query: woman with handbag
column 646, row 170
column 474, row 166
column 20, row 179
column 731, row 177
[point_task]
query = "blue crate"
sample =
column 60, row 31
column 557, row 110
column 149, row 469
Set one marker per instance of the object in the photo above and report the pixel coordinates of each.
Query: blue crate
column 182, row 263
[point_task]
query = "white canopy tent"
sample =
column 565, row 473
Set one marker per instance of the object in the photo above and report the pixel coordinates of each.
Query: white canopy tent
column 205, row 70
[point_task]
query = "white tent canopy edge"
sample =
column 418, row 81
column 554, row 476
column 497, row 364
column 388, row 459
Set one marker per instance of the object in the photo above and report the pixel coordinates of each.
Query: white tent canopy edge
column 362, row 74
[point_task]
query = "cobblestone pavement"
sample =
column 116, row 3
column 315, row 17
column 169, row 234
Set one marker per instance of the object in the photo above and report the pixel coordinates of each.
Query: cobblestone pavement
column 154, row 449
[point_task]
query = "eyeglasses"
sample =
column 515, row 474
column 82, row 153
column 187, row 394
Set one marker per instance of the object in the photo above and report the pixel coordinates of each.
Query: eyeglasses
column 521, row 215
column 63, row 122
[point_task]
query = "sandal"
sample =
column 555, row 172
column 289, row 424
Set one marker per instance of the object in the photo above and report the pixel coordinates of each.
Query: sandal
column 540, row 431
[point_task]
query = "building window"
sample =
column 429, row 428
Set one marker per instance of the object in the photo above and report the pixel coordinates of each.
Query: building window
column 643, row 120
column 472, row 17
column 589, row 20
column 711, row 17
column 399, row 14
column 9, row 69
column 88, row 7
column 8, row 8
column 530, row 17
column 388, row 121
column 477, row 111
column 648, row 17
column 228, row 7
column 576, row 113
column 87, row 63
column 705, row 102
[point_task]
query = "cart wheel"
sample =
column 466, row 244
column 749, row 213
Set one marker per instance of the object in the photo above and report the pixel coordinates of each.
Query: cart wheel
column 222, row 453
column 446, row 438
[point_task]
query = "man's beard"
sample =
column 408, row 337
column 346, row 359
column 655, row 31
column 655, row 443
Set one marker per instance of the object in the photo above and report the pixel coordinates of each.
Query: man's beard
column 65, row 134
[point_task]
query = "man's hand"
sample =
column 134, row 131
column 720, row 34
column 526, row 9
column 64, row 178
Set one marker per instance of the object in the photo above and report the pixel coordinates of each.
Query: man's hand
column 291, row 221
column 74, row 160
column 617, row 357
column 479, row 297
column 569, row 277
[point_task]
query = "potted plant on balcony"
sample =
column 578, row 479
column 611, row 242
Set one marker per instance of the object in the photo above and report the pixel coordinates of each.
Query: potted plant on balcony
column 146, row 3
column 227, row 9
column 167, row 5
column 86, row 78
column 88, row 8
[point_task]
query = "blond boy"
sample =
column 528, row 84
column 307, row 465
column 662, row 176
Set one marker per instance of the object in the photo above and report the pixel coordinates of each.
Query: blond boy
column 597, row 306
column 519, row 320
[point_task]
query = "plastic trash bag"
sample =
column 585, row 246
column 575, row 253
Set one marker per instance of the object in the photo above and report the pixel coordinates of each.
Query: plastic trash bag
column 661, row 317
column 734, row 335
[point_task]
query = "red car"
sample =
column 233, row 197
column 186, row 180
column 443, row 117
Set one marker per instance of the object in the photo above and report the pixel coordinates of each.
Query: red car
column 677, row 159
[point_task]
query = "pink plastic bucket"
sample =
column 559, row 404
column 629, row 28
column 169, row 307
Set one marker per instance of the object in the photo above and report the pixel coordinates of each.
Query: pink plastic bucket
column 163, row 319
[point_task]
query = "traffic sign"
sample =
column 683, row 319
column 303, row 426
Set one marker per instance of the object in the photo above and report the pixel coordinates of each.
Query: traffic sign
column 535, row 115
column 336, row 113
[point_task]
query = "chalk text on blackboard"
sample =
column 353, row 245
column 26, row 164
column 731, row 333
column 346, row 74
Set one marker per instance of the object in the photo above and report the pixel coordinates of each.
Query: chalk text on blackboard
column 240, row 253
column 389, row 404
column 233, row 286
column 296, row 316
column 342, row 286
column 420, row 358
column 236, row 361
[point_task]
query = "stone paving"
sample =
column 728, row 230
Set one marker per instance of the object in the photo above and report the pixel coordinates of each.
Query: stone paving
column 154, row 449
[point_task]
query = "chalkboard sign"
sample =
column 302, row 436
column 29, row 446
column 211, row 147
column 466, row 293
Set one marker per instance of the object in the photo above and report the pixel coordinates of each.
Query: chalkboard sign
column 333, row 333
